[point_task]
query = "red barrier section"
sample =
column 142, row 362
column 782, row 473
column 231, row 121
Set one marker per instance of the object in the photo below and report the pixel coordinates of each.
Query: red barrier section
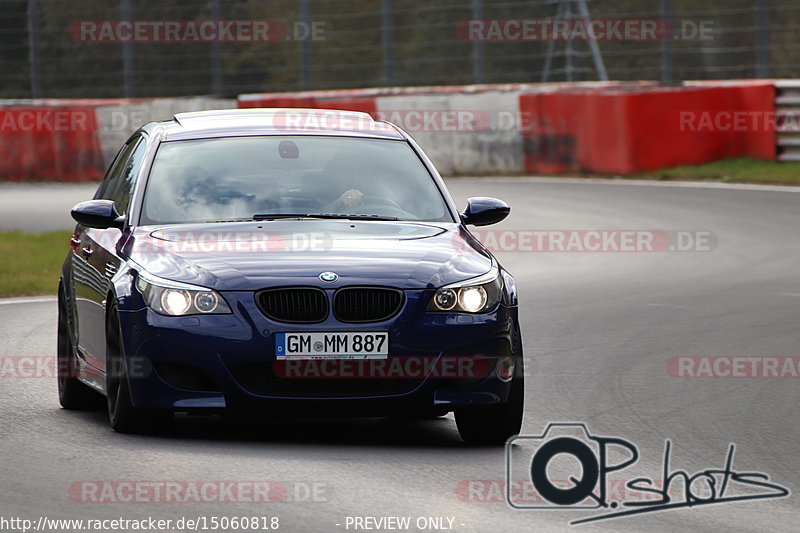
column 550, row 132
column 365, row 105
column 344, row 101
column 702, row 125
column 49, row 143
column 626, row 131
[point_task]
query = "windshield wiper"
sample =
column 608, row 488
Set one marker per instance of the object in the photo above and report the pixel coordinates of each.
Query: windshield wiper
column 277, row 216
column 351, row 216
column 343, row 216
column 227, row 220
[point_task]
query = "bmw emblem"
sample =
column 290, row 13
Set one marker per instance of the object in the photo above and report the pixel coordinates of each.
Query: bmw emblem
column 329, row 276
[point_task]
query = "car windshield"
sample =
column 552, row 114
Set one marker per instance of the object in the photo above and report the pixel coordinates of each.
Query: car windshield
column 237, row 178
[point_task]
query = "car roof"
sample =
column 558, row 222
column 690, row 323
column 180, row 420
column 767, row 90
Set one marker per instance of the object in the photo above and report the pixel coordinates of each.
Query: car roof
column 274, row 121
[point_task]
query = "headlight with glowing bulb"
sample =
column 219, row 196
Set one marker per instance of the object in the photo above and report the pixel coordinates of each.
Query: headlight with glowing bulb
column 173, row 298
column 477, row 295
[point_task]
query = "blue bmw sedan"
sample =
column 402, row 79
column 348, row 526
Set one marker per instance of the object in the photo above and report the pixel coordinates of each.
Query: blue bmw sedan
column 286, row 262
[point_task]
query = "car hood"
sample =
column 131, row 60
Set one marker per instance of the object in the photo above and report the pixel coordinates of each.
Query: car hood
column 256, row 255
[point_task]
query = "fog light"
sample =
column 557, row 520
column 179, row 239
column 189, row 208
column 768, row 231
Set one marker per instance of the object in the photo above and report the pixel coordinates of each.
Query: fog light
column 505, row 368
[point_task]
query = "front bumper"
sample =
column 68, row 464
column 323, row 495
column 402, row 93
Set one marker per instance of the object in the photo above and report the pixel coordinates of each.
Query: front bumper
column 228, row 362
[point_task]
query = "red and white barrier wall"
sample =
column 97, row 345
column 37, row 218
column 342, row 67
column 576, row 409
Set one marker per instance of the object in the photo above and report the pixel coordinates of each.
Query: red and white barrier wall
column 75, row 140
column 117, row 122
column 463, row 132
column 615, row 128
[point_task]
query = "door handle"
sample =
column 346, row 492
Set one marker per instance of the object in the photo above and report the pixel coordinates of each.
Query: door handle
column 87, row 251
column 74, row 242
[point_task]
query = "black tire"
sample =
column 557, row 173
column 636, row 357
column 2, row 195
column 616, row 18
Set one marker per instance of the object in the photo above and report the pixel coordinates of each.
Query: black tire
column 122, row 415
column 494, row 424
column 72, row 393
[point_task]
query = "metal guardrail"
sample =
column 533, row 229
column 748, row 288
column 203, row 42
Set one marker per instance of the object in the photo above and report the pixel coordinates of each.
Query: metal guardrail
column 787, row 115
column 58, row 49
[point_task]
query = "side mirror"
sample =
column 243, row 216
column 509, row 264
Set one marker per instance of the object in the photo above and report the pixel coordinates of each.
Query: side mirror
column 100, row 214
column 484, row 211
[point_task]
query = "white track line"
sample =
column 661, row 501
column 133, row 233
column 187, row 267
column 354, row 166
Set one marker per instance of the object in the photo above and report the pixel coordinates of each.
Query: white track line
column 43, row 299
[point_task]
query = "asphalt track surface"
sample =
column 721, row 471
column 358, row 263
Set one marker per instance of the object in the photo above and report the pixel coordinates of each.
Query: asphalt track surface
column 40, row 206
column 599, row 328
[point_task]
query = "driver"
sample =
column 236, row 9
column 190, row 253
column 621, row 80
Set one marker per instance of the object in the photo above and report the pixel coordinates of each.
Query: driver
column 353, row 180
column 359, row 181
column 349, row 198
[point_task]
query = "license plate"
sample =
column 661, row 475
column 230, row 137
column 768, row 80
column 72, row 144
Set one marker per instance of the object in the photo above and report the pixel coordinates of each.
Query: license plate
column 348, row 345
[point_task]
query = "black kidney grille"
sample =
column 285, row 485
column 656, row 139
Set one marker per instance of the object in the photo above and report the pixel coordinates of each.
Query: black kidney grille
column 304, row 305
column 366, row 304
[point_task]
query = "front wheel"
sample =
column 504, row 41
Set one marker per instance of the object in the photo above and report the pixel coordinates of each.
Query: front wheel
column 494, row 424
column 122, row 415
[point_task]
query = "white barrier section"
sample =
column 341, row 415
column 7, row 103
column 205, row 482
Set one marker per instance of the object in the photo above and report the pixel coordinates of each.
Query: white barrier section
column 417, row 115
column 496, row 148
column 117, row 122
column 462, row 133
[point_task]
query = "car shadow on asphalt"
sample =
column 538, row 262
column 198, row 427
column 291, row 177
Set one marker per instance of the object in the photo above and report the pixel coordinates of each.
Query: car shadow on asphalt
column 439, row 432
column 395, row 431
